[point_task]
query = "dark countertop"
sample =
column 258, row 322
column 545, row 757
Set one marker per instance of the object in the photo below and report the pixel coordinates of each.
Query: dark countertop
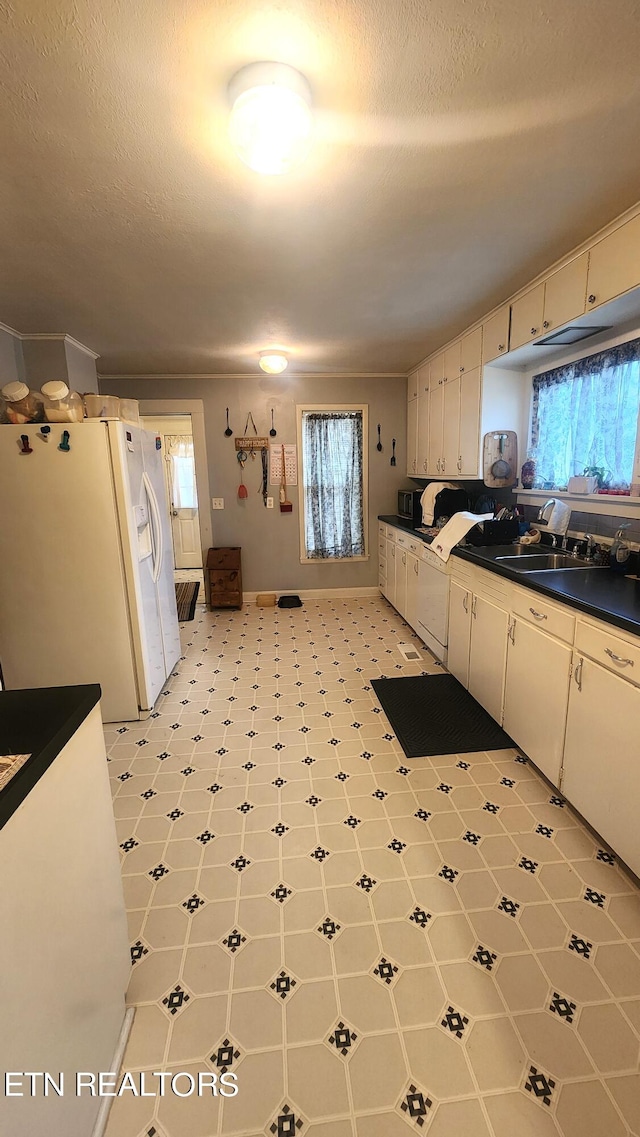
column 599, row 592
column 39, row 722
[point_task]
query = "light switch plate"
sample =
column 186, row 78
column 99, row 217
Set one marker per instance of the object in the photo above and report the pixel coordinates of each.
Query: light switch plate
column 269, row 503
column 217, row 503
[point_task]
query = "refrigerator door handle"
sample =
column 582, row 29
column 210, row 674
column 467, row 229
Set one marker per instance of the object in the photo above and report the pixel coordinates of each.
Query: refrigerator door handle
column 156, row 527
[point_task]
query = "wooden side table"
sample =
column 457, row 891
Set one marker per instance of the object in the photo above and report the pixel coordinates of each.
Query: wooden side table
column 223, row 577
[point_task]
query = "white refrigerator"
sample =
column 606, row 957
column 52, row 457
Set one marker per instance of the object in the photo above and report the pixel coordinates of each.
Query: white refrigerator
column 86, row 564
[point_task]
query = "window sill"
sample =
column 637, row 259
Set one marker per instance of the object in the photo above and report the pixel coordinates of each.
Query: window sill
column 332, row 560
column 591, row 502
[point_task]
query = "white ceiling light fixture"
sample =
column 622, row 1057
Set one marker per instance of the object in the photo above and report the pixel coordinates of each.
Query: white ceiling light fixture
column 273, row 361
column 271, row 122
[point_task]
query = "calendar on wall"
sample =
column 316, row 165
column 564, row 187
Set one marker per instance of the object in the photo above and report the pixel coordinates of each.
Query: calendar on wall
column 290, row 463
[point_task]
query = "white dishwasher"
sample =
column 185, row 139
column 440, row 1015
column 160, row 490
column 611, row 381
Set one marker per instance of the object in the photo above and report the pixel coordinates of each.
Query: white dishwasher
column 432, row 602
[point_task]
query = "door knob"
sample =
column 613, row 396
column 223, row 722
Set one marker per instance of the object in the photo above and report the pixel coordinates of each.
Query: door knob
column 174, row 512
column 591, row 298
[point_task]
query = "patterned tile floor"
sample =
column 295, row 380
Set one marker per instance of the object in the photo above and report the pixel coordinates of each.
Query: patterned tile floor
column 373, row 945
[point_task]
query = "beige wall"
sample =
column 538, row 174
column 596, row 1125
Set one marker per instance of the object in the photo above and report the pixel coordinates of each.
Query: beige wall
column 269, row 539
column 11, row 360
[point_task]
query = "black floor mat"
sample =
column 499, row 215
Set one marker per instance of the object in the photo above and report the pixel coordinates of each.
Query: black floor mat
column 433, row 714
column 186, row 599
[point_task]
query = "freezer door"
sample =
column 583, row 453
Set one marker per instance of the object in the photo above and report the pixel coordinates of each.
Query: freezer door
column 163, row 554
column 138, row 528
column 64, row 615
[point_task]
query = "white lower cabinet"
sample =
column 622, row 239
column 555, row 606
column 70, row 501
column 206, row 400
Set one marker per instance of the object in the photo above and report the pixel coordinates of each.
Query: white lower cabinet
column 487, row 654
column 536, row 694
column 400, row 601
column 460, row 600
column 411, row 606
column 601, row 757
column 390, row 586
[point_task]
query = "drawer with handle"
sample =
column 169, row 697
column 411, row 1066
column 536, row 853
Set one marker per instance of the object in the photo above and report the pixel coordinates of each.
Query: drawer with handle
column 555, row 621
column 402, row 539
column 621, row 656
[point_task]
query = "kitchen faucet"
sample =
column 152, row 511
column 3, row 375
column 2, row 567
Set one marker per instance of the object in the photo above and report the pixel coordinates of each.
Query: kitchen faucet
column 591, row 544
column 543, row 508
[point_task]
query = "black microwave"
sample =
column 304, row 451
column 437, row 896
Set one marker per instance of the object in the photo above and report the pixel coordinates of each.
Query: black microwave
column 409, row 506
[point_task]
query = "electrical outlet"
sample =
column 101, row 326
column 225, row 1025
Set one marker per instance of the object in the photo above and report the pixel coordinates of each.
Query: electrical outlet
column 269, row 503
column 217, row 503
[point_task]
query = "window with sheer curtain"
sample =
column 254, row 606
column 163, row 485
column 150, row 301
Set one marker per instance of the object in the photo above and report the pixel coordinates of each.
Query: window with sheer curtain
column 182, row 470
column 333, row 483
column 586, row 414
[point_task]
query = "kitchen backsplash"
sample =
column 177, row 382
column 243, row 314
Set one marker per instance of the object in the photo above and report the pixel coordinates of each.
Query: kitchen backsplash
column 598, row 524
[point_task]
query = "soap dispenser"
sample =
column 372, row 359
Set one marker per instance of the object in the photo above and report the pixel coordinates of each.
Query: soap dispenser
column 620, row 551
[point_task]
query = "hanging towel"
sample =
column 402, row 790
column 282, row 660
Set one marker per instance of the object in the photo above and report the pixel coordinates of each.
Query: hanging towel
column 455, row 530
column 427, row 501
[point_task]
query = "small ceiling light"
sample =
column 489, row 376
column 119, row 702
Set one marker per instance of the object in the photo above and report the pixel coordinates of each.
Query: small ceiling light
column 271, row 122
column 273, row 361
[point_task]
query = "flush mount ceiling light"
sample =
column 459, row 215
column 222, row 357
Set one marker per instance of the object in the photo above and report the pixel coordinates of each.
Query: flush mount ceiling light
column 271, row 122
column 273, row 361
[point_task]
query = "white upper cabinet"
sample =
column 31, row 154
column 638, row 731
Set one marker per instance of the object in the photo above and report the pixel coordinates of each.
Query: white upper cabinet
column 423, row 422
column 565, row 294
column 526, row 317
column 469, row 437
column 434, row 450
column 436, row 371
column 412, row 436
column 450, row 426
column 471, row 350
column 452, row 362
column 614, row 264
column 495, row 334
column 413, row 384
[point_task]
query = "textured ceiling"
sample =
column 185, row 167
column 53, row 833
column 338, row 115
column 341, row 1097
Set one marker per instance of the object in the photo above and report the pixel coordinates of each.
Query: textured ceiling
column 461, row 146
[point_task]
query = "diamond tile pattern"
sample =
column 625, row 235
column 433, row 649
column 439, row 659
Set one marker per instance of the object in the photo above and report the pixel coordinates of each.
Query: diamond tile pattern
column 374, row 946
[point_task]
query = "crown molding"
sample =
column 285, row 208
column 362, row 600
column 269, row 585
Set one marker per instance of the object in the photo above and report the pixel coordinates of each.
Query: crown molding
column 60, row 336
column 11, row 331
column 261, row 375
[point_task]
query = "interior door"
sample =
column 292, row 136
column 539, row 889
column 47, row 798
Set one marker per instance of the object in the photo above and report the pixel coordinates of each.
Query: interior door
column 182, row 500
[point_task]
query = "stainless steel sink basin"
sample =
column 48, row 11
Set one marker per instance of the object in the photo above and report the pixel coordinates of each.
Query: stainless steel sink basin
column 522, row 551
column 542, row 562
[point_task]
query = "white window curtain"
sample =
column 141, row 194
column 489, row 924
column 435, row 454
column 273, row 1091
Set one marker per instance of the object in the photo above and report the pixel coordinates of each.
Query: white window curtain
column 182, row 470
column 332, row 463
column 586, row 414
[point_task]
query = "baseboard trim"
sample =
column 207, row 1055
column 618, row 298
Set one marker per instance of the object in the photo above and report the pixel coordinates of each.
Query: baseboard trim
column 116, row 1062
column 366, row 591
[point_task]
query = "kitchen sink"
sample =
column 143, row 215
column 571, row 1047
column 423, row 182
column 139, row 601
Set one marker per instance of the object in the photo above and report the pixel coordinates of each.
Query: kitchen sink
column 542, row 562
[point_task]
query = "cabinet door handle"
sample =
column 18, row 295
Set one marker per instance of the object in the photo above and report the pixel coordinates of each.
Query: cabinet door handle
column 511, row 631
column 618, row 658
column 473, row 606
column 404, row 558
column 465, row 602
column 461, row 370
column 534, row 331
column 577, row 675
column 393, row 553
column 546, row 324
column 500, row 347
column 591, row 298
column 415, row 568
column 538, row 615
column 459, row 462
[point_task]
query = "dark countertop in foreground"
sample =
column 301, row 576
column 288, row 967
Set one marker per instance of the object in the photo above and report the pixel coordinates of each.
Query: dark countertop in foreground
column 39, row 722
column 599, row 592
